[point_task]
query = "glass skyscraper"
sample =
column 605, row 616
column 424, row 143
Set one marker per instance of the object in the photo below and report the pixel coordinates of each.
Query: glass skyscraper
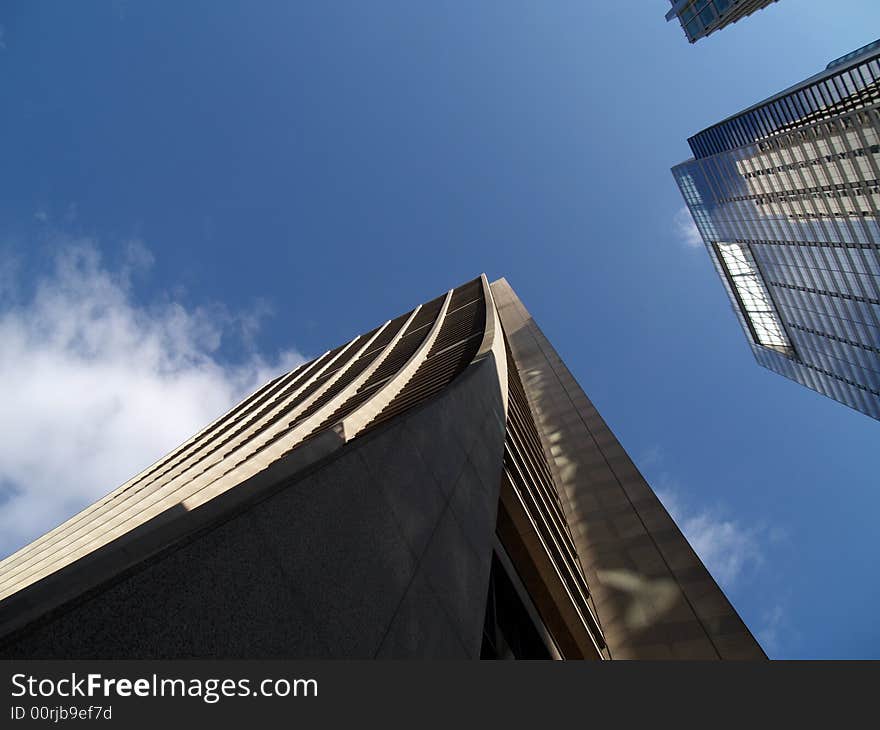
column 785, row 195
column 699, row 18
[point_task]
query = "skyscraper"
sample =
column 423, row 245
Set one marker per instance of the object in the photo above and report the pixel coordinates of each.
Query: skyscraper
column 785, row 195
column 699, row 18
column 437, row 487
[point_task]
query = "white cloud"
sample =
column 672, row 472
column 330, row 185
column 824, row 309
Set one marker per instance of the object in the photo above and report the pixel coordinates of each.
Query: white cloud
column 726, row 547
column 741, row 556
column 94, row 386
column 686, row 229
column 774, row 624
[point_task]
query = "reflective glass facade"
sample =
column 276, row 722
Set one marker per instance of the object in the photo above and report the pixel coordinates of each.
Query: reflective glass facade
column 786, row 197
column 699, row 18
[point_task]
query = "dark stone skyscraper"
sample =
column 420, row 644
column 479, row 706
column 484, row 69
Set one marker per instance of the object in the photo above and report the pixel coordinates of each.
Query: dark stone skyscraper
column 699, row 18
column 785, row 195
column 437, row 487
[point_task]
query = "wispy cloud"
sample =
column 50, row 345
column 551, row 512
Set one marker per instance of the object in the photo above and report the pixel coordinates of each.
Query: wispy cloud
column 725, row 545
column 96, row 385
column 2, row 38
column 741, row 554
column 65, row 218
column 729, row 547
column 686, row 229
column 771, row 629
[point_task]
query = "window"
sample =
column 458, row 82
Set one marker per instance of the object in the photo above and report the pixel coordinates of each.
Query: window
column 754, row 298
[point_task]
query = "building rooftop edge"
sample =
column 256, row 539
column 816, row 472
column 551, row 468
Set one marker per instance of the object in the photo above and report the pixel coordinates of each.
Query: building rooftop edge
column 870, row 51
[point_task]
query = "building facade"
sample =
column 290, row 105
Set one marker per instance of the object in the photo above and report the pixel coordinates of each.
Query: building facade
column 785, row 195
column 437, row 487
column 699, row 18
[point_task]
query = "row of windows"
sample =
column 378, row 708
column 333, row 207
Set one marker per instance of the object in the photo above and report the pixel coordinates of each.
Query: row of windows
column 821, row 381
column 831, row 192
column 833, row 294
column 701, row 17
column 860, row 287
column 832, row 258
column 831, row 364
column 744, row 221
column 846, row 310
column 863, row 287
column 810, row 130
column 808, row 164
column 872, row 364
column 867, row 335
column 728, row 199
column 811, row 343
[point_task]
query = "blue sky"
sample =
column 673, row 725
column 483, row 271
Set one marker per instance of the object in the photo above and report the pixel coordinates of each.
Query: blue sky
column 198, row 194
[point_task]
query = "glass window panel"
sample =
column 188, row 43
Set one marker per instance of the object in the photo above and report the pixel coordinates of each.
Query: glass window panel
column 753, row 295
